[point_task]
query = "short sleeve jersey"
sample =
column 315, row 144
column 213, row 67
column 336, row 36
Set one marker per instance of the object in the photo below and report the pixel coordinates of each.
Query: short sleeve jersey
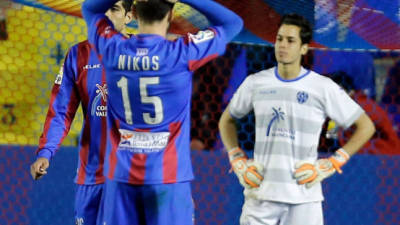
column 289, row 117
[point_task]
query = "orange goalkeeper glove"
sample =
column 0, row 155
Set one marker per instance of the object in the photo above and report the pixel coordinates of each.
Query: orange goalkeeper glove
column 248, row 172
column 309, row 174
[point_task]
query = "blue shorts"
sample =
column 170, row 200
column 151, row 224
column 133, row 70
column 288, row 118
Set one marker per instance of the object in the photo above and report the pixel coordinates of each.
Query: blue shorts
column 157, row 204
column 87, row 203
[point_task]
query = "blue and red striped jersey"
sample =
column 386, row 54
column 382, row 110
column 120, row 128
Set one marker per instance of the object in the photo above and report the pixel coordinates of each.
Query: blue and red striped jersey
column 149, row 81
column 81, row 80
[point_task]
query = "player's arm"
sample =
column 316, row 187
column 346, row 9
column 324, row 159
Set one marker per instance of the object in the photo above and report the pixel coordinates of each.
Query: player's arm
column 364, row 130
column 345, row 111
column 239, row 106
column 228, row 130
column 100, row 29
column 310, row 174
column 208, row 44
column 248, row 172
column 218, row 15
column 91, row 8
column 63, row 105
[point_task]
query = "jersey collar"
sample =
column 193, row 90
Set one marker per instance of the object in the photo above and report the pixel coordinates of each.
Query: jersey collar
column 303, row 73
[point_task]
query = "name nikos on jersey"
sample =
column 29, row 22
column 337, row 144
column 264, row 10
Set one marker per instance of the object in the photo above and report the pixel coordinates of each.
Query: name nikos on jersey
column 138, row 63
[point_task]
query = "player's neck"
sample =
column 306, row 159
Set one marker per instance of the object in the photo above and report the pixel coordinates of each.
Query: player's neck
column 289, row 71
column 124, row 32
column 154, row 28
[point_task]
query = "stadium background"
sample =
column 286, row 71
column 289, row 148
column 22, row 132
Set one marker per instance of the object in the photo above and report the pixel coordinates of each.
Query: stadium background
column 359, row 37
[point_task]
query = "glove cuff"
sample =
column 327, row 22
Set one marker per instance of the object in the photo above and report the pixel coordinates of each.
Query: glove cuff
column 236, row 153
column 339, row 159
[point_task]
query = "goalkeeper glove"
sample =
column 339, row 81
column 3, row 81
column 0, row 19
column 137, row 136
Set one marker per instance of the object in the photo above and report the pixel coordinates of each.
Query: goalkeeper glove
column 309, row 174
column 248, row 172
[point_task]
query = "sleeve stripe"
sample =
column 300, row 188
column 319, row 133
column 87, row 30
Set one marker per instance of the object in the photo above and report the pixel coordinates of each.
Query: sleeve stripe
column 137, row 171
column 114, row 139
column 49, row 118
column 195, row 64
column 84, row 152
column 82, row 60
column 170, row 160
column 104, row 29
column 99, row 176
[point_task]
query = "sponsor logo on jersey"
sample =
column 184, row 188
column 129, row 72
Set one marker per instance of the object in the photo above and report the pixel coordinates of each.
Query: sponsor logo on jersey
column 268, row 92
column 276, row 128
column 79, row 221
column 107, row 30
column 302, row 97
column 143, row 142
column 88, row 67
column 142, row 51
column 202, row 36
column 98, row 108
column 60, row 75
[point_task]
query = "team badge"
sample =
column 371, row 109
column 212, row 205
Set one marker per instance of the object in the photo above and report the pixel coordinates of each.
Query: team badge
column 202, row 36
column 302, row 97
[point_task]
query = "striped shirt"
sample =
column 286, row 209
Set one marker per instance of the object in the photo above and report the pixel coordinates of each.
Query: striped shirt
column 289, row 117
column 149, row 82
column 81, row 80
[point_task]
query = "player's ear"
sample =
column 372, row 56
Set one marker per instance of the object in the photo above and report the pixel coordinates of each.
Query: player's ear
column 134, row 14
column 304, row 49
column 170, row 16
column 129, row 17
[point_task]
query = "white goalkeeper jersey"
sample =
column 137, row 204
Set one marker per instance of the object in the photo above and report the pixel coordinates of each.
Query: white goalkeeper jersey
column 289, row 117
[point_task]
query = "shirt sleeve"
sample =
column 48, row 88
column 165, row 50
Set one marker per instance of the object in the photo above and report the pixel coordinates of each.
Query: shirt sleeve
column 205, row 46
column 241, row 104
column 102, row 35
column 63, row 105
column 340, row 107
column 101, row 32
column 218, row 15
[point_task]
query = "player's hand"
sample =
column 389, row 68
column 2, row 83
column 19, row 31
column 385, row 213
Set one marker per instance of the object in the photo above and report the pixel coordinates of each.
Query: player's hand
column 39, row 167
column 309, row 174
column 305, row 172
column 248, row 172
column 254, row 173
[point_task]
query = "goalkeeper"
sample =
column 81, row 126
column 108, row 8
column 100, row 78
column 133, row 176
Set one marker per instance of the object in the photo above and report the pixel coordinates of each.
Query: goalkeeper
column 290, row 103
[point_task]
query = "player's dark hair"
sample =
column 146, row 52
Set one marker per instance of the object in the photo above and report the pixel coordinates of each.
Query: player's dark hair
column 128, row 5
column 343, row 79
column 298, row 20
column 152, row 11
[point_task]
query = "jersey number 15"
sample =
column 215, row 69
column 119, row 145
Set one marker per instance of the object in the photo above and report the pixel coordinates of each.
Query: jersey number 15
column 155, row 100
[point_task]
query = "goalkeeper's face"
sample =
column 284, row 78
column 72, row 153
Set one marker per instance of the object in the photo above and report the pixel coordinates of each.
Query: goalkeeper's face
column 119, row 17
column 288, row 45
